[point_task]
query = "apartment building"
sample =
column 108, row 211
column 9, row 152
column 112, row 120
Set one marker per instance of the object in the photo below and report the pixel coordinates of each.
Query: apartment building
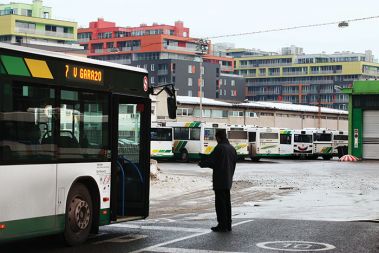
column 32, row 24
column 299, row 78
column 168, row 53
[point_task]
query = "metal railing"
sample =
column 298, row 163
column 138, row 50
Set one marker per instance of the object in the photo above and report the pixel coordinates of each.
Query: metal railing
column 44, row 33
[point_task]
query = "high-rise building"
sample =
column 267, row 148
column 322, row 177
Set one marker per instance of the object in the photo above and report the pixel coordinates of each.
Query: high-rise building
column 299, row 78
column 168, row 53
column 32, row 25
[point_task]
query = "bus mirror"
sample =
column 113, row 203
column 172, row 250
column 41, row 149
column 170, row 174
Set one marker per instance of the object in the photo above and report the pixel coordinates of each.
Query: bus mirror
column 171, row 107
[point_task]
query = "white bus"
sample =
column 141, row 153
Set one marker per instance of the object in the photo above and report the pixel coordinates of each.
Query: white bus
column 286, row 142
column 303, row 143
column 340, row 142
column 238, row 138
column 74, row 145
column 194, row 139
column 161, row 142
column 263, row 142
column 322, row 143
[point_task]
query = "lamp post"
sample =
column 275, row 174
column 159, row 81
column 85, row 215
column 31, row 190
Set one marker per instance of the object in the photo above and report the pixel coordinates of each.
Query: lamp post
column 202, row 48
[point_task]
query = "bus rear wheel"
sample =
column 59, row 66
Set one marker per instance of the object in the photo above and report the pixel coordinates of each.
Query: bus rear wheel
column 79, row 213
column 184, row 157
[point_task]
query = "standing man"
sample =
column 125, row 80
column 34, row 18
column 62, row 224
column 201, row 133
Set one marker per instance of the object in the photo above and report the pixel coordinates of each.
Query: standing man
column 223, row 161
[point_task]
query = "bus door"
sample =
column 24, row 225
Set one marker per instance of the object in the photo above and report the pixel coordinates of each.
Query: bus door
column 130, row 158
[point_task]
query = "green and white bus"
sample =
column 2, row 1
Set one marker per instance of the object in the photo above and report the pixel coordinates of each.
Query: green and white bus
column 192, row 140
column 74, row 144
column 161, row 141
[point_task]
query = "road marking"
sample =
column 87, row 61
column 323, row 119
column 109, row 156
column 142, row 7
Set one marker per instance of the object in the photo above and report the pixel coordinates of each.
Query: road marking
column 183, row 238
column 295, row 246
column 161, row 220
column 181, row 250
column 122, row 239
column 163, row 228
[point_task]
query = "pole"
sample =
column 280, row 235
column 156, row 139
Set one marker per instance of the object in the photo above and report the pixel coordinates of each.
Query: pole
column 319, row 106
column 201, row 89
column 202, row 48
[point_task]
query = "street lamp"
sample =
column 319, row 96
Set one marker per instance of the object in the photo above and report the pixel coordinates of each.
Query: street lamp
column 202, row 48
column 343, row 24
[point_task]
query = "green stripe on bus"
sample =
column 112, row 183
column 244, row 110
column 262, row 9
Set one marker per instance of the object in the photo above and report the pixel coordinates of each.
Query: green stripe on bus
column 326, row 150
column 104, row 218
column 28, row 228
column 182, row 145
column 2, row 70
column 15, row 65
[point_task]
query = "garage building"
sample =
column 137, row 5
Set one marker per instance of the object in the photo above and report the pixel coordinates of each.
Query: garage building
column 364, row 119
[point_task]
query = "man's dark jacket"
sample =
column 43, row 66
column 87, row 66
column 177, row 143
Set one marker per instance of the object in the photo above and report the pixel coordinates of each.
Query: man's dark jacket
column 223, row 161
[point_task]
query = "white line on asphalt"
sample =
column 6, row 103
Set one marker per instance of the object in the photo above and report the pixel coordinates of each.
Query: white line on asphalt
column 181, row 250
column 183, row 238
column 163, row 228
column 122, row 239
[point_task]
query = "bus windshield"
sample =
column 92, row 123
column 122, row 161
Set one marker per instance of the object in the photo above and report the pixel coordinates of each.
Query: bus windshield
column 161, row 134
column 340, row 137
column 268, row 136
column 322, row 137
column 306, row 138
column 237, row 135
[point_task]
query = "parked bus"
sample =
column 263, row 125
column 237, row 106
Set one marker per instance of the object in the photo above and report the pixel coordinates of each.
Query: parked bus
column 237, row 135
column 322, row 143
column 192, row 140
column 286, row 142
column 263, row 142
column 161, row 142
column 340, row 143
column 303, row 143
column 74, row 144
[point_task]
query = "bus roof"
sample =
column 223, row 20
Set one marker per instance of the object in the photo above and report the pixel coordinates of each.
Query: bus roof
column 69, row 57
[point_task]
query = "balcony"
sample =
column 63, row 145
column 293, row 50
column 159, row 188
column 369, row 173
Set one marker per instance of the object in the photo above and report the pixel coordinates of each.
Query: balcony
column 162, row 72
column 326, row 72
column 295, row 73
column 122, row 61
column 84, row 40
column 176, row 48
column 273, row 74
column 44, row 33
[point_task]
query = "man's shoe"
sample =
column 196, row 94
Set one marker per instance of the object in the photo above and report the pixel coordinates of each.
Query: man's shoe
column 219, row 229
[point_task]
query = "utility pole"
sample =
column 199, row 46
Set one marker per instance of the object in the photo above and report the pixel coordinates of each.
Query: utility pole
column 319, row 106
column 202, row 48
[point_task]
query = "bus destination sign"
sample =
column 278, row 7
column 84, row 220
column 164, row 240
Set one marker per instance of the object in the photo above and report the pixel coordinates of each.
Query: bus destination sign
column 84, row 74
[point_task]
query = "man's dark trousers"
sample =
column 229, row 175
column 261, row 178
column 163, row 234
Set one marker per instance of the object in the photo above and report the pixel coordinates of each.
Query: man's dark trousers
column 223, row 209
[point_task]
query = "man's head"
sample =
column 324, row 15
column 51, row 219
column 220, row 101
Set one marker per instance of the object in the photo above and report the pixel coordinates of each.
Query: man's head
column 220, row 135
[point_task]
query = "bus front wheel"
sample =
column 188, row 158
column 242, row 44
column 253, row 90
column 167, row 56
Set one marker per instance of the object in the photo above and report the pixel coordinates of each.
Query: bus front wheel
column 78, row 218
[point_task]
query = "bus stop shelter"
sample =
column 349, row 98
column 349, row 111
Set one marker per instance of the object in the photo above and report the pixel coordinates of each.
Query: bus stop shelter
column 364, row 119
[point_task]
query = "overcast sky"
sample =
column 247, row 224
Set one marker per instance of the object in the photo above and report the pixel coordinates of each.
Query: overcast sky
column 207, row 18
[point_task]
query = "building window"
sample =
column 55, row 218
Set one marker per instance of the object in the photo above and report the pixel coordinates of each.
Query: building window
column 152, row 80
column 236, row 113
column 25, row 25
column 190, row 93
column 252, row 114
column 190, row 69
column 184, row 112
column 219, row 114
column 51, row 28
column 190, row 81
column 152, row 67
column 233, row 82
